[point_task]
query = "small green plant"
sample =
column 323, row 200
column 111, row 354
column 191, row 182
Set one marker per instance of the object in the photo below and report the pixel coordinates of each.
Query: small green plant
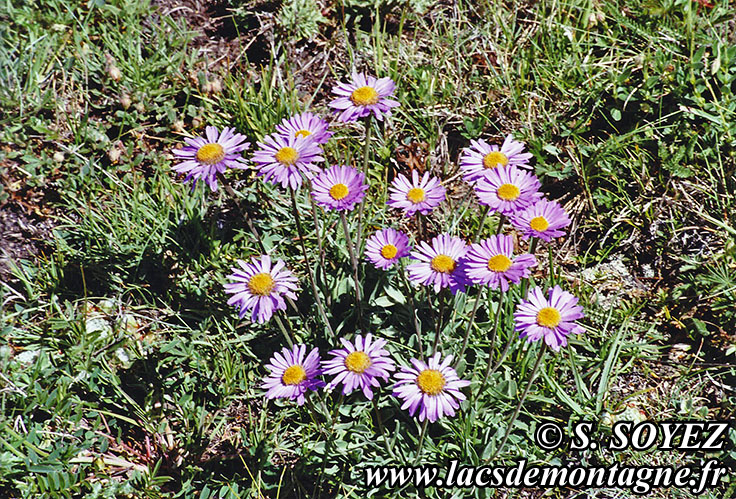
column 300, row 19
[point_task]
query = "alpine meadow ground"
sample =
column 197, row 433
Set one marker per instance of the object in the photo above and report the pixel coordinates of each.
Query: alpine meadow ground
column 254, row 249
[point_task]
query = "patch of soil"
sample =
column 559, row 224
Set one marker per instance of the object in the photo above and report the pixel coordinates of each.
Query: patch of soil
column 22, row 236
column 25, row 223
column 228, row 39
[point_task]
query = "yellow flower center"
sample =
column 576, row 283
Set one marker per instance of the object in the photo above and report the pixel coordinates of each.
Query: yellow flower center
column 294, row 375
column 415, row 195
column 499, row 263
column 303, row 133
column 539, row 224
column 364, row 96
column 389, row 251
column 431, row 381
column 508, row 192
column 442, row 263
column 357, row 362
column 261, row 284
column 287, row 156
column 495, row 158
column 548, row 317
column 210, row 154
column 339, row 191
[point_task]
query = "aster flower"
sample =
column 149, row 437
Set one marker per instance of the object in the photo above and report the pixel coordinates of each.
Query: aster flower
column 205, row 157
column 339, row 188
column 305, row 125
column 432, row 387
column 359, row 365
column 492, row 263
column 507, row 189
column 543, row 219
column 362, row 96
column 438, row 263
column 292, row 375
column 282, row 159
column 422, row 195
column 551, row 317
column 481, row 157
column 385, row 247
column 260, row 287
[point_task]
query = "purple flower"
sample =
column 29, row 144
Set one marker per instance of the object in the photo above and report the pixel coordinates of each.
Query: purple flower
column 433, row 388
column 422, row 195
column 260, row 287
column 551, row 317
column 481, row 157
column 292, row 375
column 543, row 219
column 339, row 188
column 359, row 365
column 203, row 158
column 438, row 263
column 507, row 189
column 492, row 263
column 362, row 96
column 305, row 125
column 385, row 247
column 282, row 159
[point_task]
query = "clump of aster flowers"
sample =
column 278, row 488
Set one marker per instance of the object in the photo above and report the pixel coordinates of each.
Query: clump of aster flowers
column 499, row 175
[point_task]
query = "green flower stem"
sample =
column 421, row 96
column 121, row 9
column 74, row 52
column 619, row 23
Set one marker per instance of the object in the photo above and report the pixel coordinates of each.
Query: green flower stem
column 438, row 322
column 354, row 262
column 497, row 320
column 501, row 221
column 524, row 286
column 389, row 450
column 330, row 439
column 469, row 325
column 481, row 223
column 538, row 363
column 366, row 153
column 315, row 415
column 417, row 327
column 287, row 334
column 525, row 281
column 422, row 434
column 502, row 357
column 320, row 246
column 300, row 232
column 432, row 313
column 552, row 277
column 231, row 192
